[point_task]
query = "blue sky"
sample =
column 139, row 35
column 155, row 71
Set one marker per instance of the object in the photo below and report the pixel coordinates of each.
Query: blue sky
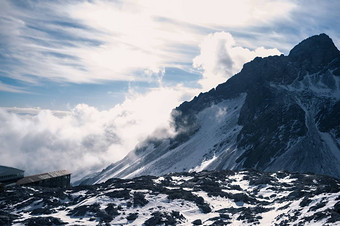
column 83, row 82
column 57, row 54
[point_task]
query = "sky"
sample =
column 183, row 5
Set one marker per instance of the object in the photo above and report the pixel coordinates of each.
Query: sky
column 83, row 82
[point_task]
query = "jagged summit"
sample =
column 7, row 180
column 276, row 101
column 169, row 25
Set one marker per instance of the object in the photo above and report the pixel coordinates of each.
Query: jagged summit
column 316, row 51
column 317, row 44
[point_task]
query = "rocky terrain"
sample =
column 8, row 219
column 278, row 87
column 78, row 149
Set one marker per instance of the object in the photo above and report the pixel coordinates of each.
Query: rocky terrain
column 198, row 198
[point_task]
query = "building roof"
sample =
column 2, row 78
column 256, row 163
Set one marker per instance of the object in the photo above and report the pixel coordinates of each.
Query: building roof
column 5, row 170
column 43, row 176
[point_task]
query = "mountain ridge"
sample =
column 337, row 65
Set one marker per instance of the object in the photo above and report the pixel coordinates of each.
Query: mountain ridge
column 277, row 113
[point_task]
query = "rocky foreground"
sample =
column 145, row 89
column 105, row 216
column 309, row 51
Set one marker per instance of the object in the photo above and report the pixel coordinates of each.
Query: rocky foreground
column 207, row 198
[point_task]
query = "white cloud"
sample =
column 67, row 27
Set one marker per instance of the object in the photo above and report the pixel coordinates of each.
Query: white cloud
column 127, row 36
column 85, row 139
column 238, row 13
column 220, row 58
column 9, row 88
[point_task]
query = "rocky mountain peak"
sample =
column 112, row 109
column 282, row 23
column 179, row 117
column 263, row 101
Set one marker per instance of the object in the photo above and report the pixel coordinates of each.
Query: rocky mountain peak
column 315, row 52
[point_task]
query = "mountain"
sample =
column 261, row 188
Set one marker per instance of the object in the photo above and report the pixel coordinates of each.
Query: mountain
column 278, row 113
column 207, row 197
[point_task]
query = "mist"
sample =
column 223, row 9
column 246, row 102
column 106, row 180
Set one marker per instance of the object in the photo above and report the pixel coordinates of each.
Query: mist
column 84, row 139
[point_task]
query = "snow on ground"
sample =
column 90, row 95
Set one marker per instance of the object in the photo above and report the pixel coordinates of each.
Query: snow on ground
column 207, row 197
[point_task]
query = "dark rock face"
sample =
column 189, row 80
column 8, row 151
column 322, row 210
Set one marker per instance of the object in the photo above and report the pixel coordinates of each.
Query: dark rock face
column 267, row 109
column 203, row 198
column 314, row 53
column 259, row 133
column 273, row 117
column 328, row 119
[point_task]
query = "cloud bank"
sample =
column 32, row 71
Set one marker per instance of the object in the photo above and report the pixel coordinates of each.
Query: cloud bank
column 220, row 58
column 85, row 139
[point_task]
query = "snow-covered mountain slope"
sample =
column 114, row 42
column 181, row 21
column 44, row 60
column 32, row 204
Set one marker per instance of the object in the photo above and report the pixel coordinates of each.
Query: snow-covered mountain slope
column 207, row 197
column 278, row 113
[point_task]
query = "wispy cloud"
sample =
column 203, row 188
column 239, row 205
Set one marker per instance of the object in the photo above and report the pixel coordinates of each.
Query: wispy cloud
column 12, row 89
column 93, row 41
column 311, row 17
